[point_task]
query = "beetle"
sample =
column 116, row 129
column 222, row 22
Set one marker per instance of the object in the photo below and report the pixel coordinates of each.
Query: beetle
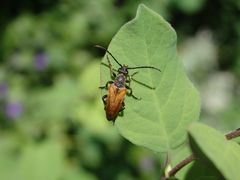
column 118, row 88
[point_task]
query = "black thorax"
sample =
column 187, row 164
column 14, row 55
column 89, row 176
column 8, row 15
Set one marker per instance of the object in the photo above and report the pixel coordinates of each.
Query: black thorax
column 120, row 80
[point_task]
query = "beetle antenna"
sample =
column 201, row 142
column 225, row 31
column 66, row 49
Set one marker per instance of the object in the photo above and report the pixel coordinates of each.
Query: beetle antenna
column 100, row 47
column 139, row 67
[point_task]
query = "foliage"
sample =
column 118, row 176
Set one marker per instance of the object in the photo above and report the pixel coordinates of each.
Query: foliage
column 219, row 154
column 174, row 102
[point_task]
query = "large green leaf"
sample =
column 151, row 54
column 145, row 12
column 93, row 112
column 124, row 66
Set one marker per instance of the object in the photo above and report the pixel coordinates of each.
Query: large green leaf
column 213, row 150
column 159, row 120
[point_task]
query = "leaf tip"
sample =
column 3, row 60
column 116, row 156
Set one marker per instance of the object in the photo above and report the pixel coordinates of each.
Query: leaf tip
column 143, row 9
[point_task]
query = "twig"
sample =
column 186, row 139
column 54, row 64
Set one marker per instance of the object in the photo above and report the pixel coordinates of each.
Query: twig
column 230, row 135
column 233, row 134
column 181, row 165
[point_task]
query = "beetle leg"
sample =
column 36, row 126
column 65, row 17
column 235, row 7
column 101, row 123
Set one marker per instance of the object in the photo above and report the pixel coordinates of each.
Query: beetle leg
column 104, row 99
column 128, row 86
column 102, row 87
column 133, row 74
column 106, row 86
column 131, row 94
column 112, row 73
column 129, row 78
column 121, row 112
column 123, row 107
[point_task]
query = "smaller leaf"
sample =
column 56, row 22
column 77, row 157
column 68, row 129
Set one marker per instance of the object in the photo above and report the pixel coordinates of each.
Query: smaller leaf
column 212, row 148
column 199, row 170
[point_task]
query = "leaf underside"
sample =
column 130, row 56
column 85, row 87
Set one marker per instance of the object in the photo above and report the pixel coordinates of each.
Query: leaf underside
column 158, row 121
column 213, row 150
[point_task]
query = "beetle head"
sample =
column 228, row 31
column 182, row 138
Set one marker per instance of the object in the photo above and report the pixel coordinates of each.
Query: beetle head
column 123, row 70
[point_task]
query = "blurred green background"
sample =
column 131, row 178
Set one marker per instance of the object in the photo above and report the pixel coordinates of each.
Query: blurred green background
column 52, row 123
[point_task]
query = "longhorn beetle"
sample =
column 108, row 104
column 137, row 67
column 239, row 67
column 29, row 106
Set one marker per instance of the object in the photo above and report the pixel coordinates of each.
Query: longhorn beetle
column 117, row 89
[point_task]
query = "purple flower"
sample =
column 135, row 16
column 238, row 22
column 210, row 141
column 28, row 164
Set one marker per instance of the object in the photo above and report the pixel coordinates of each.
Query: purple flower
column 41, row 61
column 13, row 110
column 3, row 90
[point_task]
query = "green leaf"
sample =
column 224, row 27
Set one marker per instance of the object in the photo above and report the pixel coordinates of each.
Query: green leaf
column 199, row 170
column 158, row 121
column 212, row 149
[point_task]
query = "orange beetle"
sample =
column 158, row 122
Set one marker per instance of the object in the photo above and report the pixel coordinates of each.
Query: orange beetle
column 117, row 89
column 114, row 101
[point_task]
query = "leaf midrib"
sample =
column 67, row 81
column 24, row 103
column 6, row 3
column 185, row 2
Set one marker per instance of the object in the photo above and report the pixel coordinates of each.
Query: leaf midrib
column 154, row 94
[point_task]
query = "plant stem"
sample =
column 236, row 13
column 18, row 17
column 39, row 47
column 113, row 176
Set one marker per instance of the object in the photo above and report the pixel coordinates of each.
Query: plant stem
column 180, row 165
column 233, row 134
